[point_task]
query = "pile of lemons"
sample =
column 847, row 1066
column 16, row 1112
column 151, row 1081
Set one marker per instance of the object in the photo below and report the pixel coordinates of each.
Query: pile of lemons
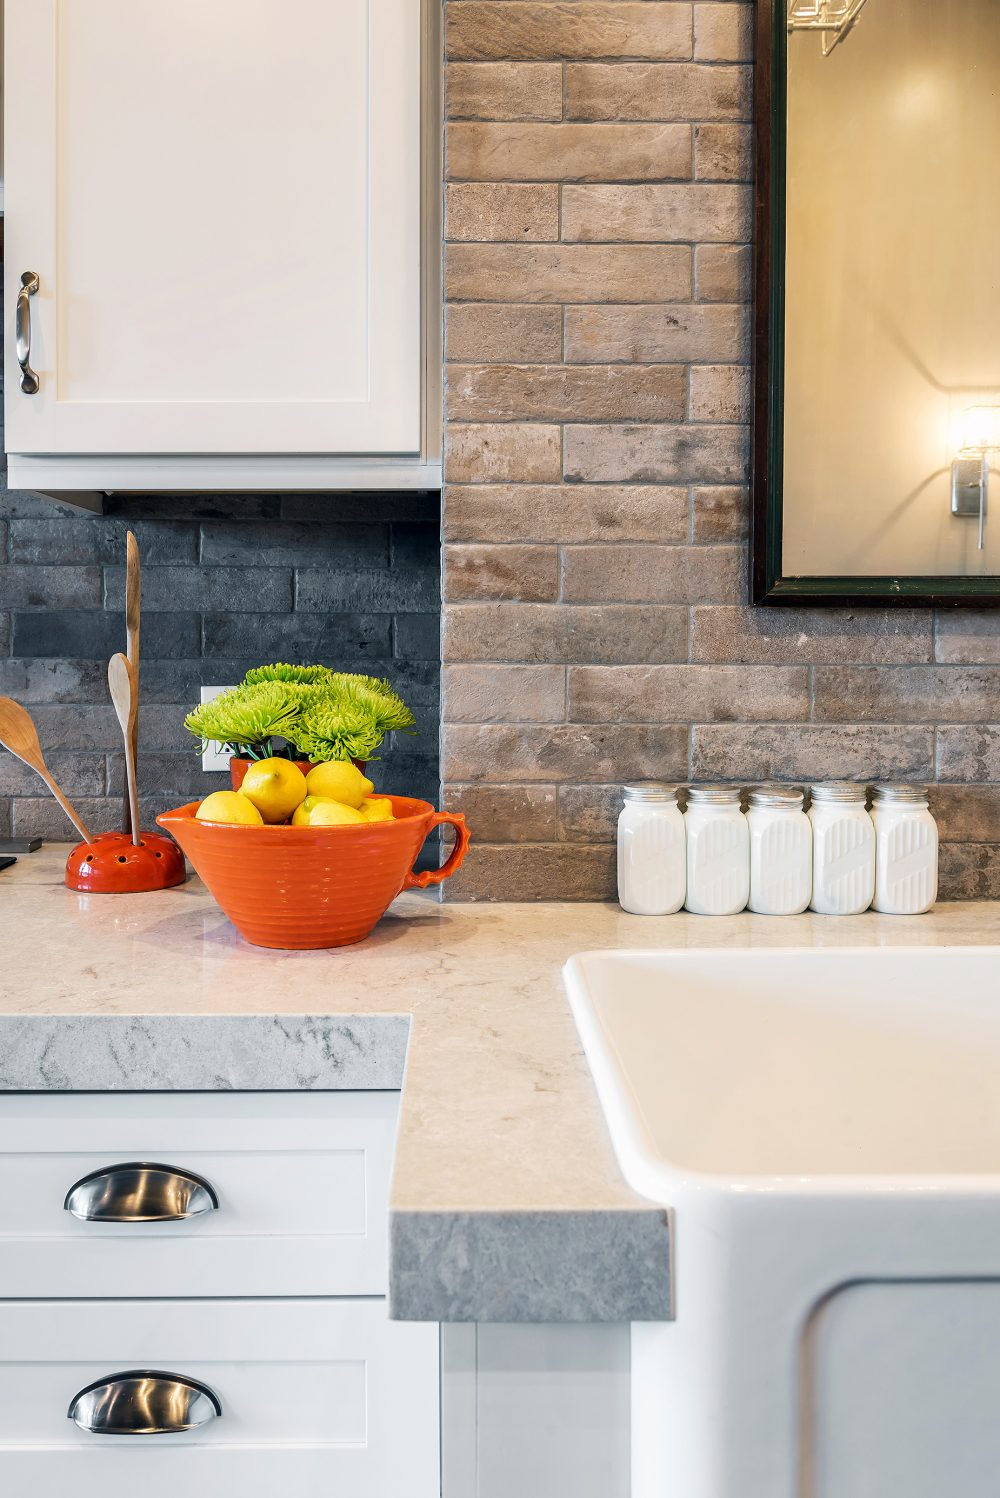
column 275, row 791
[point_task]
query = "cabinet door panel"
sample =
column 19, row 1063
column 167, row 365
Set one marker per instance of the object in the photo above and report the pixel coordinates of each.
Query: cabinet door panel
column 302, row 1182
column 317, row 1397
column 222, row 204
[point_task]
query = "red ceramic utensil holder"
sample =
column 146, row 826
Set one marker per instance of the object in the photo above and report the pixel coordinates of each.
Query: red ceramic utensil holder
column 113, row 865
column 302, row 887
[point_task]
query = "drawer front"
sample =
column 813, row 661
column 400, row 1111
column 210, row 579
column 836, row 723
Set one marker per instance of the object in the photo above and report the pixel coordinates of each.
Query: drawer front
column 317, row 1397
column 301, row 1180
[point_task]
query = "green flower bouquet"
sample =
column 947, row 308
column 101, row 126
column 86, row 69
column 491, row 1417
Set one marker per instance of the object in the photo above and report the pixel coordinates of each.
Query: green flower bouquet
column 312, row 712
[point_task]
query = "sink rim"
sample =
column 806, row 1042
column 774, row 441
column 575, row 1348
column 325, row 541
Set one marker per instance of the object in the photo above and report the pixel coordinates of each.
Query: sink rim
column 666, row 1182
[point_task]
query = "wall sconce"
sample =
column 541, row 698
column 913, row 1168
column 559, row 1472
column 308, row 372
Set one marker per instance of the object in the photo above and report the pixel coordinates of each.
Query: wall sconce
column 970, row 470
column 833, row 18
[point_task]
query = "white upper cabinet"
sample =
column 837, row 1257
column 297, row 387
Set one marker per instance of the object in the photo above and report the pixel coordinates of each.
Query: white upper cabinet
column 222, row 204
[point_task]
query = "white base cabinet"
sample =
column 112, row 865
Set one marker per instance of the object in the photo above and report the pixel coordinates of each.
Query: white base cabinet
column 317, row 1397
column 535, row 1410
column 262, row 1281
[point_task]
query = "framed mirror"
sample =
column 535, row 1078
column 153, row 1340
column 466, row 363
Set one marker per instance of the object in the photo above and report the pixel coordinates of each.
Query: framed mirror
column 876, row 468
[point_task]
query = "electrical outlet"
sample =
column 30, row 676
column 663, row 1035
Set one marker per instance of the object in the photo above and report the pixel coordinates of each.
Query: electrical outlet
column 216, row 756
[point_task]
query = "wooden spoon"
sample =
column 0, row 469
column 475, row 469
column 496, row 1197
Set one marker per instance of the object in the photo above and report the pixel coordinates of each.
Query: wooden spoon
column 133, row 593
column 18, row 734
column 121, row 683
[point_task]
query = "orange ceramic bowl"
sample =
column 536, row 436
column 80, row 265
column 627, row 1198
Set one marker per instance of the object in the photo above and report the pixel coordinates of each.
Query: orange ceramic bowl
column 297, row 887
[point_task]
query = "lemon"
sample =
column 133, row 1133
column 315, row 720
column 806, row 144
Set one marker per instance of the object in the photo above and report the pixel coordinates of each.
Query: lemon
column 229, row 806
column 339, row 780
column 334, row 814
column 300, row 817
column 376, row 809
column 276, row 787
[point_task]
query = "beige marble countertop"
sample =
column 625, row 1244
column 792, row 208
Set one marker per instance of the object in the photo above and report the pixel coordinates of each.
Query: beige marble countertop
column 502, row 1146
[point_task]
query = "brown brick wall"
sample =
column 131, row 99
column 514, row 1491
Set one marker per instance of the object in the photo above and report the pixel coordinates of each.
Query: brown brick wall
column 597, row 343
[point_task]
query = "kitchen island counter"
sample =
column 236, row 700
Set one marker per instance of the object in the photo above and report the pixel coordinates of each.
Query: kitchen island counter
column 507, row 1202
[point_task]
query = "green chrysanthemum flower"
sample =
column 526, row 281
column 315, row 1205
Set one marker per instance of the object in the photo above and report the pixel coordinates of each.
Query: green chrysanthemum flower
column 331, row 729
column 282, row 671
column 318, row 713
column 247, row 715
column 375, row 697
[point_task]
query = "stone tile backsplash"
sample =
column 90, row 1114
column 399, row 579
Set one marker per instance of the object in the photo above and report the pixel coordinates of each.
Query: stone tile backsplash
column 597, row 280
column 228, row 581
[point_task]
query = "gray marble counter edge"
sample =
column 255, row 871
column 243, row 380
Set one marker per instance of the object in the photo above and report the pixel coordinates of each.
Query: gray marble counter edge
column 533, row 1266
column 530, row 1266
column 202, row 1052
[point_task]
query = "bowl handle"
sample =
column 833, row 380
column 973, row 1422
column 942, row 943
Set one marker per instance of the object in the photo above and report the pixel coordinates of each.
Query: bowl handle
column 463, row 838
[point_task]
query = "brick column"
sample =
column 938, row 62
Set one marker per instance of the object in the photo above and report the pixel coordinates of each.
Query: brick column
column 596, row 344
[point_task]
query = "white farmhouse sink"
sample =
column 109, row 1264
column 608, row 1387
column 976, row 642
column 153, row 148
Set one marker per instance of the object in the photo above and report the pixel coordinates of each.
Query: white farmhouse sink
column 825, row 1126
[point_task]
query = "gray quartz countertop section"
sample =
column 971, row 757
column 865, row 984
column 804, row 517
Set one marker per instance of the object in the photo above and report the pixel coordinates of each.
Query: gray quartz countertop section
column 507, row 1202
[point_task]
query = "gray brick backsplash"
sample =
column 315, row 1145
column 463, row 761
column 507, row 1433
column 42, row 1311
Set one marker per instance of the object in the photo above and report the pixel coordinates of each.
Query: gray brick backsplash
column 291, row 543
column 969, row 752
column 906, row 694
column 93, row 634
column 368, row 509
column 970, row 871
column 807, row 751
column 24, row 587
column 664, row 694
column 218, row 594
column 220, row 589
column 652, row 574
column 967, row 813
column 588, row 813
column 501, row 752
column 34, row 816
column 810, row 636
column 30, row 681
column 968, row 637
column 504, row 694
column 506, row 813
column 535, row 871
column 78, row 774
column 297, row 636
column 417, row 637
column 63, row 541
column 538, row 633
column 176, row 776
column 407, row 590
column 416, row 544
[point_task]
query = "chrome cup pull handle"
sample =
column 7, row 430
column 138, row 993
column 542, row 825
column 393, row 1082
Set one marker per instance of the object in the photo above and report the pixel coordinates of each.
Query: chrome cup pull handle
column 139, row 1191
column 143, row 1402
column 22, row 325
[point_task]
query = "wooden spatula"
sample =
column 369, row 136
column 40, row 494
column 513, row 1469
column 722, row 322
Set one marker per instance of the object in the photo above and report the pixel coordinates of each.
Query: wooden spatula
column 133, row 595
column 18, row 734
column 121, row 684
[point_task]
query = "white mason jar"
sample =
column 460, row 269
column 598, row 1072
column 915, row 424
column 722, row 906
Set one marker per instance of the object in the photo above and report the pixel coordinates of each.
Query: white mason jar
column 780, row 851
column 906, row 850
column 718, row 851
column 843, row 849
column 651, row 865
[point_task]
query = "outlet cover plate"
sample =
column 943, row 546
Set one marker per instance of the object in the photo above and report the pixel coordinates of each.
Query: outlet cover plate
column 217, row 756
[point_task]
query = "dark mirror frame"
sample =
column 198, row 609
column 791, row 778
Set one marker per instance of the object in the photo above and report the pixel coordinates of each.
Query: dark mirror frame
column 767, row 583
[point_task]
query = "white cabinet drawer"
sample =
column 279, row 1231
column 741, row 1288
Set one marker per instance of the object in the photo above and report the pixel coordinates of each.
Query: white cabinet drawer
column 317, row 1397
column 301, row 1180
